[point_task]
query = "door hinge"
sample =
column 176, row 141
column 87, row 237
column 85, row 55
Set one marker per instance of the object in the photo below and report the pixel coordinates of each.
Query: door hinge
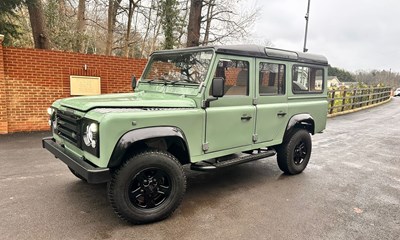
column 255, row 101
column 203, row 104
column 204, row 146
column 255, row 138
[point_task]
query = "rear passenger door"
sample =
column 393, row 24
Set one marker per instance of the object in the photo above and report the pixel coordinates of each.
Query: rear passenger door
column 272, row 107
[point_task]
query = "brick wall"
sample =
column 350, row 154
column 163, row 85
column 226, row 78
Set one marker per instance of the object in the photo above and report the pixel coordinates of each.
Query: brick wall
column 31, row 79
column 3, row 96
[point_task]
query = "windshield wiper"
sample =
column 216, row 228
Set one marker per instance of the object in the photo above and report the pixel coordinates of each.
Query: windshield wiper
column 184, row 81
column 172, row 82
column 149, row 81
column 158, row 80
column 177, row 81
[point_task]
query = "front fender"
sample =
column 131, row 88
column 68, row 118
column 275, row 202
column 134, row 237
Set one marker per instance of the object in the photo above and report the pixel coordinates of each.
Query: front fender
column 131, row 137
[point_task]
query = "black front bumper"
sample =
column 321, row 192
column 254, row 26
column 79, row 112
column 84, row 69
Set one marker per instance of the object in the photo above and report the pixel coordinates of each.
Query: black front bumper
column 89, row 172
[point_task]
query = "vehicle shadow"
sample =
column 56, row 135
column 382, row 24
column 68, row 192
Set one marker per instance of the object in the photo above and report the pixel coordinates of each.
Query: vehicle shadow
column 204, row 189
column 213, row 188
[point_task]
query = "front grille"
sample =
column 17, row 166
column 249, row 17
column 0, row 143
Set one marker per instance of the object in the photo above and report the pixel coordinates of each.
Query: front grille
column 68, row 126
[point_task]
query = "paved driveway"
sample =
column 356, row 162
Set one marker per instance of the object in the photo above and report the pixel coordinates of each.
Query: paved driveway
column 350, row 190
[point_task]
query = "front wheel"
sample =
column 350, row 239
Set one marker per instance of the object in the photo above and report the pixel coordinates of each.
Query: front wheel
column 77, row 174
column 148, row 187
column 295, row 152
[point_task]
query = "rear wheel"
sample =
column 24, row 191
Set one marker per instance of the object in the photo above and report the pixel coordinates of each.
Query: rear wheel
column 295, row 152
column 148, row 187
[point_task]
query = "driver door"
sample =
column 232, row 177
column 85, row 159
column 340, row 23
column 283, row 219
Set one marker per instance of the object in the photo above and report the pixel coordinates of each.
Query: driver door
column 230, row 120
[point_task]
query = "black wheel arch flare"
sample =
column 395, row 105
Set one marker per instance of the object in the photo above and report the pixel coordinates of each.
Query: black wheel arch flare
column 137, row 135
column 302, row 120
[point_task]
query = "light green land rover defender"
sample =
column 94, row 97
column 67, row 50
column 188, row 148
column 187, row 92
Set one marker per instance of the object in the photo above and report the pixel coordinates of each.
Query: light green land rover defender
column 210, row 107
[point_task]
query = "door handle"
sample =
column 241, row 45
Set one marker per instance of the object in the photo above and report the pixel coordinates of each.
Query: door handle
column 281, row 114
column 246, row 117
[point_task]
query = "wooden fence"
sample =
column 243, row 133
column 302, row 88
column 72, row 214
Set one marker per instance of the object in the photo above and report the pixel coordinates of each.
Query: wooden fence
column 347, row 99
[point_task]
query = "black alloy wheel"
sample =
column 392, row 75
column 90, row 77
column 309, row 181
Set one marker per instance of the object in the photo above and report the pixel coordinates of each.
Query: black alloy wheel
column 300, row 153
column 294, row 153
column 147, row 187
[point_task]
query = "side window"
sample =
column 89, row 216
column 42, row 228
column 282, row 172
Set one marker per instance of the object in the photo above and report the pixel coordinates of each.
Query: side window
column 271, row 78
column 236, row 75
column 307, row 79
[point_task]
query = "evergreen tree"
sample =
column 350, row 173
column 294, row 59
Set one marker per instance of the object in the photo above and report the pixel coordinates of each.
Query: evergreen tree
column 341, row 74
column 7, row 27
column 170, row 19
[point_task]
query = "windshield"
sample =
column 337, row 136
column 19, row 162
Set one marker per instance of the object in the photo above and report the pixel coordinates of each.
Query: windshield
column 182, row 67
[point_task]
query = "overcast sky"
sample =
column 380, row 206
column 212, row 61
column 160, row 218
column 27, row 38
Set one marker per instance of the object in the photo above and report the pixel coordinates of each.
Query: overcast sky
column 352, row 34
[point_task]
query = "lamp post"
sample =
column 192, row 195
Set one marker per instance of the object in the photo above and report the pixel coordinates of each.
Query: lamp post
column 305, row 35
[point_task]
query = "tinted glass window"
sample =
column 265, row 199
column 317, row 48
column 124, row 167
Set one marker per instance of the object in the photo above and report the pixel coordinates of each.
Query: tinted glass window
column 307, row 79
column 184, row 67
column 236, row 75
column 271, row 79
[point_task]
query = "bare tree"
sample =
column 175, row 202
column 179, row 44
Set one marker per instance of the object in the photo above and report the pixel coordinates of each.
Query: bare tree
column 131, row 9
column 157, row 27
column 39, row 31
column 224, row 21
column 148, row 24
column 210, row 10
column 133, row 27
column 375, row 77
column 193, row 32
column 113, row 6
column 182, row 29
column 80, row 26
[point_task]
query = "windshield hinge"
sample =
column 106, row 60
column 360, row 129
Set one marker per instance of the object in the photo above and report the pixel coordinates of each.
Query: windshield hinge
column 201, row 87
column 255, row 137
column 204, row 146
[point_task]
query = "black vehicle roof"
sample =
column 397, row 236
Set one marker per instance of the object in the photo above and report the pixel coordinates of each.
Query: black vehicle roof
column 262, row 52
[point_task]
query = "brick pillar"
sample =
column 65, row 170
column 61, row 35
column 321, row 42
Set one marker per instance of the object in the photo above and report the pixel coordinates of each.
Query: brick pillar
column 3, row 92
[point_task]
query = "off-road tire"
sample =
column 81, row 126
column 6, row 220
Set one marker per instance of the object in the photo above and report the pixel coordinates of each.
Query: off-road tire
column 137, row 197
column 77, row 174
column 294, row 153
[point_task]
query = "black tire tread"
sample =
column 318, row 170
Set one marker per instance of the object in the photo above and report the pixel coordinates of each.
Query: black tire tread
column 77, row 175
column 111, row 185
column 284, row 149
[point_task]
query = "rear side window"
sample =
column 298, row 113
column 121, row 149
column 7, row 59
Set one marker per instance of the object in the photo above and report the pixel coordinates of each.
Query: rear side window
column 271, row 79
column 307, row 79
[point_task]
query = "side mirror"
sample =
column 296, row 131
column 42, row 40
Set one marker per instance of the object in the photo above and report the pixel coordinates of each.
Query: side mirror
column 133, row 83
column 217, row 91
column 218, row 87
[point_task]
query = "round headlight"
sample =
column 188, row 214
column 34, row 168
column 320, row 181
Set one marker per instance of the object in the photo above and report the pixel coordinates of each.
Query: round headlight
column 50, row 111
column 89, row 137
column 93, row 127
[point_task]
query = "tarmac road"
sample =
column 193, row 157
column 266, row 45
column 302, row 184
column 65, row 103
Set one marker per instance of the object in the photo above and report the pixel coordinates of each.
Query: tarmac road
column 350, row 190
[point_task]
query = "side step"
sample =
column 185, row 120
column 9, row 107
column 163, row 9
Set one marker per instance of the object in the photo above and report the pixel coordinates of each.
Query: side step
column 209, row 166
